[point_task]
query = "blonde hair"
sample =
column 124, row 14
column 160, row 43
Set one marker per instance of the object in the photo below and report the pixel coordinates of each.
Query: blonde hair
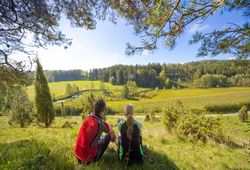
column 129, row 111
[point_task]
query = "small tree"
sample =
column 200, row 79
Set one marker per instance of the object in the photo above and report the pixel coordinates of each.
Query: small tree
column 68, row 89
column 43, row 101
column 125, row 92
column 112, row 80
column 88, row 104
column 243, row 115
column 132, row 87
column 75, row 89
column 168, row 83
column 21, row 108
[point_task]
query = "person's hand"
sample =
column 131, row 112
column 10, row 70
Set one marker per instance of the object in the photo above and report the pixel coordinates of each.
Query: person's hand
column 112, row 135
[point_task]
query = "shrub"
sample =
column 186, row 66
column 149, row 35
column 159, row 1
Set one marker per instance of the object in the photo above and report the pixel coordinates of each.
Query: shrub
column 125, row 92
column 67, row 111
column 192, row 124
column 243, row 115
column 171, row 115
column 198, row 127
column 150, row 116
column 21, row 108
column 88, row 104
column 66, row 125
column 147, row 118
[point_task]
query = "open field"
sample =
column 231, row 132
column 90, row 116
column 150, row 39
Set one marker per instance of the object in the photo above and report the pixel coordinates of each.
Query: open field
column 192, row 98
column 52, row 148
column 58, row 88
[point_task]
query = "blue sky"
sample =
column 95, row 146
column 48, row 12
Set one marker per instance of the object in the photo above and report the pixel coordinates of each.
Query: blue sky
column 105, row 45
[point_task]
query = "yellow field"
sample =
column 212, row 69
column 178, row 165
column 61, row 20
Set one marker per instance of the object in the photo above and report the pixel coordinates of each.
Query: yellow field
column 190, row 97
column 58, row 88
column 197, row 98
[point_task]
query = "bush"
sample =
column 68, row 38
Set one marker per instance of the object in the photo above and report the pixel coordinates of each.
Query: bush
column 88, row 104
column 192, row 124
column 243, row 115
column 171, row 115
column 66, row 125
column 21, row 108
column 67, row 111
column 147, row 118
column 198, row 127
column 150, row 116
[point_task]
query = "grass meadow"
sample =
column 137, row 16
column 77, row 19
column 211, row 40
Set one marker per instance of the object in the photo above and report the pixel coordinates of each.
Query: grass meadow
column 52, row 148
column 36, row 147
column 193, row 98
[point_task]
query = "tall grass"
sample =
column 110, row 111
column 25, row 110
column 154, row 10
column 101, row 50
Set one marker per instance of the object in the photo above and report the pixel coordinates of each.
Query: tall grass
column 52, row 148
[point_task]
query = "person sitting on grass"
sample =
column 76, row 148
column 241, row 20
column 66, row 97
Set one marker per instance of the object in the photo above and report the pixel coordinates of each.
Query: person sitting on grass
column 89, row 147
column 130, row 138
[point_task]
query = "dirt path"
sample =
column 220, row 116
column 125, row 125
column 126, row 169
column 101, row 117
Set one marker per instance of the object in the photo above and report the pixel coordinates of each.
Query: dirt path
column 143, row 116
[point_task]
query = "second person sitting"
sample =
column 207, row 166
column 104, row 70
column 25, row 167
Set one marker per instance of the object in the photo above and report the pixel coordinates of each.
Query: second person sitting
column 130, row 137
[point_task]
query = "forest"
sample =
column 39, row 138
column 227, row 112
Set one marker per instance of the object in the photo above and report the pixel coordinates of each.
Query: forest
column 204, row 74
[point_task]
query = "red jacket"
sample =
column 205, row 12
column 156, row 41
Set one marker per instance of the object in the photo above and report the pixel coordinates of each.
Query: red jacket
column 88, row 137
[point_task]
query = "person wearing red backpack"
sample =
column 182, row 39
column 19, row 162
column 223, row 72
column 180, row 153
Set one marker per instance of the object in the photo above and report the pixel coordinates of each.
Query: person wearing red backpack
column 89, row 145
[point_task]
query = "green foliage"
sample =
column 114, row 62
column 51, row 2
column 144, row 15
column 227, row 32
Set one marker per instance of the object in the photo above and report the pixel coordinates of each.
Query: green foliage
column 21, row 108
column 67, row 125
column 168, row 83
column 67, row 110
column 132, row 87
column 71, row 89
column 240, row 80
column 243, row 113
column 171, row 115
column 43, row 101
column 162, row 22
column 209, row 80
column 192, row 124
column 88, row 105
column 125, row 92
column 112, row 80
column 163, row 76
column 199, row 127
column 5, row 98
column 147, row 118
column 65, row 75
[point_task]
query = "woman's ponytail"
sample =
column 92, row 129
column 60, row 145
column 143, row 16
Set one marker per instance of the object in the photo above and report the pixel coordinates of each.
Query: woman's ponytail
column 130, row 124
column 128, row 111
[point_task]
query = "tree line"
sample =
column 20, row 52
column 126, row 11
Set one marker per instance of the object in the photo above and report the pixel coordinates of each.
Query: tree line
column 207, row 73
column 65, row 75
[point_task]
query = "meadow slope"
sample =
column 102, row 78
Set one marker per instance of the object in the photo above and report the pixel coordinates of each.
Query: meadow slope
column 52, row 148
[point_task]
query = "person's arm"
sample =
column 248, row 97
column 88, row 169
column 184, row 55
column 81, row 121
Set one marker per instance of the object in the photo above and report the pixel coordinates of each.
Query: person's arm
column 110, row 131
column 107, row 126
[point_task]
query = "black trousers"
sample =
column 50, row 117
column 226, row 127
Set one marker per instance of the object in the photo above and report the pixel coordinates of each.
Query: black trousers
column 101, row 147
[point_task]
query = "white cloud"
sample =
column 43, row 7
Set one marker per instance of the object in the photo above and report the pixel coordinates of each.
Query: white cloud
column 197, row 27
column 231, row 58
column 145, row 52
